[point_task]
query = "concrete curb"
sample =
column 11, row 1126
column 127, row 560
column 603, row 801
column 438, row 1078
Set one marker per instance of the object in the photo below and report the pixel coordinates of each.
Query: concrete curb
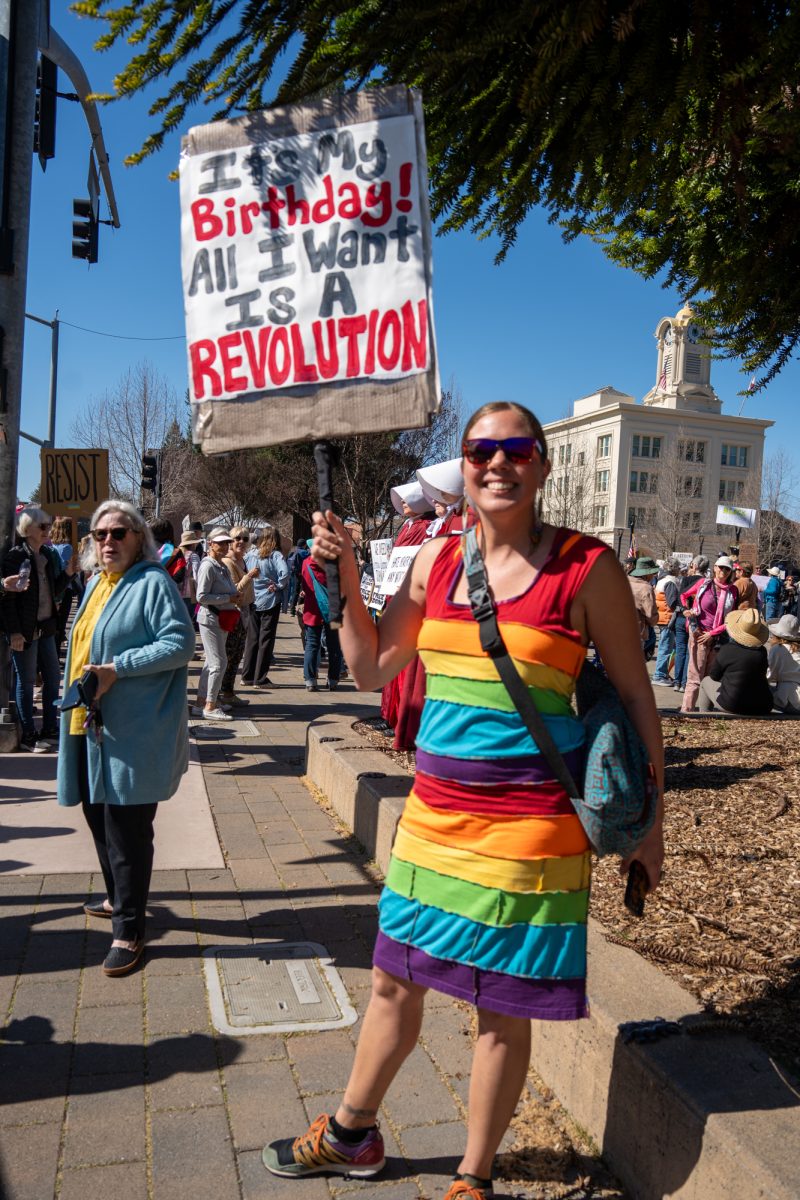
column 697, row 1117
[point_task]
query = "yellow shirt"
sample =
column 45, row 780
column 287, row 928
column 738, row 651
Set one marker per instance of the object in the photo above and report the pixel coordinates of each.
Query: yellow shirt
column 82, row 640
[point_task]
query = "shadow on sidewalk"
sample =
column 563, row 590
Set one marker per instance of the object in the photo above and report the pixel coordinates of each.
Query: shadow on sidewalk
column 33, row 1067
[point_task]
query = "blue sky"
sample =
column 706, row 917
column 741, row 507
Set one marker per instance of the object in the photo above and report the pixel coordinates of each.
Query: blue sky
column 551, row 324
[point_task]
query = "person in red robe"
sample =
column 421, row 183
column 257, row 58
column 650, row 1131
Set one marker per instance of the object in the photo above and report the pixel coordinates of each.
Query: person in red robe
column 410, row 502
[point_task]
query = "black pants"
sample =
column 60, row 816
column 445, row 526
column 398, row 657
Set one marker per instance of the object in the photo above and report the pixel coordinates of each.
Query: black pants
column 260, row 644
column 123, row 839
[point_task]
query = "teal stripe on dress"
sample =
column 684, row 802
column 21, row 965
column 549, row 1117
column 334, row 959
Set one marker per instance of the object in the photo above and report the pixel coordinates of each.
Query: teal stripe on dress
column 484, row 733
column 529, row 951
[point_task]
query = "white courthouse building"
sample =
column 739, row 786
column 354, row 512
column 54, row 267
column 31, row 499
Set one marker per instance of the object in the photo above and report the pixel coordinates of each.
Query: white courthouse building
column 665, row 462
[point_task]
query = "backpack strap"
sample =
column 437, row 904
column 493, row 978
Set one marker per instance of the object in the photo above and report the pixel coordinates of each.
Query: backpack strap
column 483, row 610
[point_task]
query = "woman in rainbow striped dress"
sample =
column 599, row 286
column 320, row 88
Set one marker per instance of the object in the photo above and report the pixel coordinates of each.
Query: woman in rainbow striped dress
column 488, row 885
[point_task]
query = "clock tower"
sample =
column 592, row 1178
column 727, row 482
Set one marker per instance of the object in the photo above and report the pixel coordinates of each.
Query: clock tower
column 683, row 369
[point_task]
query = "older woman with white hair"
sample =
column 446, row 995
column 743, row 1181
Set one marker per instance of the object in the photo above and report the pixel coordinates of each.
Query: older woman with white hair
column 124, row 734
column 30, row 619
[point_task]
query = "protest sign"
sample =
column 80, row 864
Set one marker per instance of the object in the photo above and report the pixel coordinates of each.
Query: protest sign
column 381, row 552
column 305, row 245
column 401, row 560
column 367, row 588
column 74, row 482
column 742, row 518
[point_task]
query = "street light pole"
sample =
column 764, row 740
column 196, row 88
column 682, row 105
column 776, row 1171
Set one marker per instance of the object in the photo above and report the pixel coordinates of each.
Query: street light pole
column 51, row 413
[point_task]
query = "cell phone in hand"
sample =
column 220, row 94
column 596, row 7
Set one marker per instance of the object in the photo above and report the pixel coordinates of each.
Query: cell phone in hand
column 636, row 889
column 87, row 688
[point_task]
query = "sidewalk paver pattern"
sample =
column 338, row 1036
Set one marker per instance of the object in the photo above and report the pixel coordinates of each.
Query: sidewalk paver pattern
column 122, row 1087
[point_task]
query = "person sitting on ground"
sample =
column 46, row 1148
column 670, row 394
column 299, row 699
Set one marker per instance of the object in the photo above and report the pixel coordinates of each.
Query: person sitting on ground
column 667, row 597
column 640, row 579
column 737, row 680
column 748, row 591
column 783, row 658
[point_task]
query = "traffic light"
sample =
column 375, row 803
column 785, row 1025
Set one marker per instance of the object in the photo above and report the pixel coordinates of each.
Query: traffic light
column 149, row 472
column 85, row 229
column 44, row 127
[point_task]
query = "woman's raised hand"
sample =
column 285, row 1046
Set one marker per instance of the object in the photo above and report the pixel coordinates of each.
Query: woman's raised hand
column 330, row 537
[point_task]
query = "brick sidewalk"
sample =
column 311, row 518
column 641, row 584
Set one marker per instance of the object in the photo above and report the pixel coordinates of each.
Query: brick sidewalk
column 121, row 1087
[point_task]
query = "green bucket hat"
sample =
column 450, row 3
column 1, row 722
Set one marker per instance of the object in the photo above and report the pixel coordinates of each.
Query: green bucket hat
column 645, row 566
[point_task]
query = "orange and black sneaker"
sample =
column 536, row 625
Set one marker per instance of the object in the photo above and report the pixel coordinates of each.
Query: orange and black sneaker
column 470, row 1187
column 319, row 1151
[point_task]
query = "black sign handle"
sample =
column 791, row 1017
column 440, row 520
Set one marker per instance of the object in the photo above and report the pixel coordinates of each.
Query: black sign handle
column 325, row 457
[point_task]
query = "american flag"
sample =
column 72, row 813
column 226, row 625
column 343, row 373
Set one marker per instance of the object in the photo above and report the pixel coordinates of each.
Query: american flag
column 752, row 385
column 632, row 551
column 662, row 383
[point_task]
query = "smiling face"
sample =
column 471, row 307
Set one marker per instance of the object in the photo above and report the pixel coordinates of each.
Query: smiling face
column 116, row 556
column 499, row 486
column 722, row 574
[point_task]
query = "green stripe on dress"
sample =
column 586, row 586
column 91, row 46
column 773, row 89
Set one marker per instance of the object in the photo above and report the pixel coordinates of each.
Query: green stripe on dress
column 489, row 906
column 485, row 693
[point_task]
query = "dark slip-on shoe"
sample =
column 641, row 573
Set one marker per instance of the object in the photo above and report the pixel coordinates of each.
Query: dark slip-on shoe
column 120, row 960
column 98, row 909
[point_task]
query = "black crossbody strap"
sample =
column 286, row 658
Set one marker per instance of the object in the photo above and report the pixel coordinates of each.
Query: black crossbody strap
column 482, row 604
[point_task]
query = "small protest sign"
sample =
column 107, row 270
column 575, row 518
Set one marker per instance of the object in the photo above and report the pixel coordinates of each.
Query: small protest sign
column 381, row 552
column 305, row 244
column 74, row 482
column 741, row 518
column 399, row 563
column 367, row 588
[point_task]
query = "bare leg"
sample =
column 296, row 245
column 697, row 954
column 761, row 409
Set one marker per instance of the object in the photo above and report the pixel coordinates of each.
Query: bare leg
column 391, row 1027
column 499, row 1067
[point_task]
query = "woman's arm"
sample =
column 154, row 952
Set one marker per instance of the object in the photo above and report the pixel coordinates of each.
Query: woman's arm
column 282, row 569
column 207, row 579
column 374, row 653
column 167, row 637
column 605, row 611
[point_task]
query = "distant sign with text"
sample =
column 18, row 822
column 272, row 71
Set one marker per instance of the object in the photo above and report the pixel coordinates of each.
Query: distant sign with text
column 741, row 518
column 74, row 482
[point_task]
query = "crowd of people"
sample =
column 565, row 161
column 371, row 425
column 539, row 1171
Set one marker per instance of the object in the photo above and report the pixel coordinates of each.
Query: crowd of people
column 713, row 624
column 486, row 895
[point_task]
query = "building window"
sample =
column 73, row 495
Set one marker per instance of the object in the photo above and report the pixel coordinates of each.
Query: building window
column 643, row 481
column 549, row 488
column 581, row 458
column 601, row 481
column 564, row 454
column 604, row 445
column 734, row 456
column 731, row 490
column 643, row 446
column 693, row 486
column 691, row 520
column 600, row 516
column 692, row 451
column 637, row 515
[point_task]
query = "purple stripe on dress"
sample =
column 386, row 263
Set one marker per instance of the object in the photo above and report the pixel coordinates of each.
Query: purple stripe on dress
column 541, row 999
column 484, row 772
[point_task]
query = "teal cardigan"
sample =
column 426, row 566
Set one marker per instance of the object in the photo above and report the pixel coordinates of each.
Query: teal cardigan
column 144, row 629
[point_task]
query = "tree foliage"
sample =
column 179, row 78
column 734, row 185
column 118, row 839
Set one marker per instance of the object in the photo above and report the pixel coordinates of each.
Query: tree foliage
column 666, row 132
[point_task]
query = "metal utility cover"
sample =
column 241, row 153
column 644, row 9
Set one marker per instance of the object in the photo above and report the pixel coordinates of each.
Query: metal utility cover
column 275, row 987
column 201, row 728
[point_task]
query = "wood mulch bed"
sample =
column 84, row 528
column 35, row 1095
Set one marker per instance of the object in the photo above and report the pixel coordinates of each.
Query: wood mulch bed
column 725, row 922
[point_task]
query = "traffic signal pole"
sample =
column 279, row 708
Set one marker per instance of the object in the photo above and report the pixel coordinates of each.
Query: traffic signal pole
column 19, row 31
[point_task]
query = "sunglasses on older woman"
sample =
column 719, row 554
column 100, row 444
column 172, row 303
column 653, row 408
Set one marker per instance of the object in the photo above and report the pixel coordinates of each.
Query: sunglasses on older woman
column 518, row 450
column 118, row 533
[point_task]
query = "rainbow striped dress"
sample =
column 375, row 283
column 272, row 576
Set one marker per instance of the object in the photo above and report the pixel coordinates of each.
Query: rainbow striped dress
column 488, row 884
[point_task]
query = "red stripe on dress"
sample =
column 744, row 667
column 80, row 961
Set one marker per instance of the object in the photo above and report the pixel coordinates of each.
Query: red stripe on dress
column 537, row 800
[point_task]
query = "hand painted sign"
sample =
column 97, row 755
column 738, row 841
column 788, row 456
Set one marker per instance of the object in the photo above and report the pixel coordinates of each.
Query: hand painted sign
column 742, row 518
column 305, row 241
column 399, row 563
column 74, row 482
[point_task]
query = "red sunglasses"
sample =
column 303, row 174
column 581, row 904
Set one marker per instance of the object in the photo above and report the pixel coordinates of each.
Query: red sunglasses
column 480, row 451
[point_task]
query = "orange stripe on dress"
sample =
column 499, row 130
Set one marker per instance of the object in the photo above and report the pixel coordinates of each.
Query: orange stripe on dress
column 522, row 641
column 513, row 838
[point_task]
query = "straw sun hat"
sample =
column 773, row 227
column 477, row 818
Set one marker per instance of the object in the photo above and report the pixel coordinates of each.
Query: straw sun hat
column 746, row 627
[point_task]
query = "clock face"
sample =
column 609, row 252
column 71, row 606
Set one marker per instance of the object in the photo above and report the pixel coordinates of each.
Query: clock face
column 694, row 333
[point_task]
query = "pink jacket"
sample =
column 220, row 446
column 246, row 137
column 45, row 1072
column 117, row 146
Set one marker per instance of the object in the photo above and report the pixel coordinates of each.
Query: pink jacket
column 728, row 600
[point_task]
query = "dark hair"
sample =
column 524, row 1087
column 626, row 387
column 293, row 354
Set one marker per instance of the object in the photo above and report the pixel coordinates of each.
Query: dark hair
column 531, row 422
column 746, row 568
column 162, row 531
column 301, row 542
